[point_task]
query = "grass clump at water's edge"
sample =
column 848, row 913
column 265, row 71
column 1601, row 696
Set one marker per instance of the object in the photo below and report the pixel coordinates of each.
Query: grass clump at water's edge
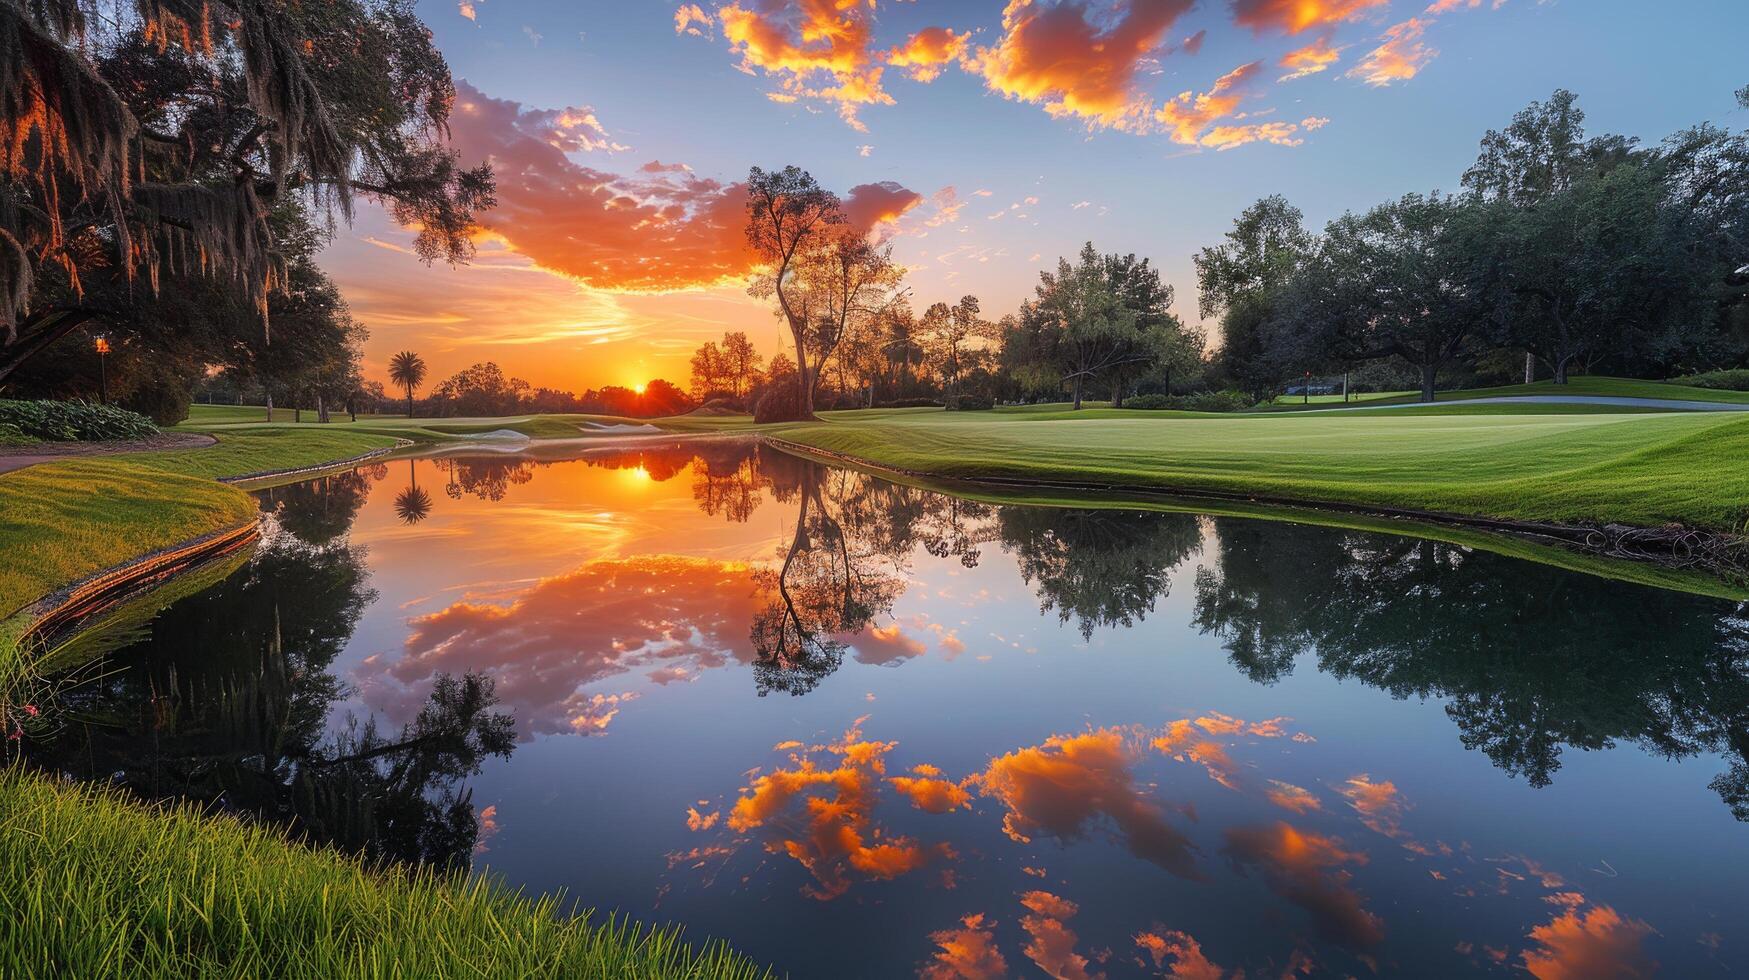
column 100, row 887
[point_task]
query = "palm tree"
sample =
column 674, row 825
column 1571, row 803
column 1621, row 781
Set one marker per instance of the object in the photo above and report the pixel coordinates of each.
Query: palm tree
column 407, row 370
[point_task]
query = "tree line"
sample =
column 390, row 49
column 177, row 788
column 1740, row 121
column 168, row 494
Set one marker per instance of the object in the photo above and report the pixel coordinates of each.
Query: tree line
column 1560, row 253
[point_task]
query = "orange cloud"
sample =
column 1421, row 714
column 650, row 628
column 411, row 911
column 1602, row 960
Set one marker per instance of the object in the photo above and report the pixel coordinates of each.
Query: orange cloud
column 928, row 52
column 1307, row 869
column 1197, row 740
column 700, row 821
column 1597, row 943
column 1187, row 959
column 967, row 953
column 1309, row 60
column 660, row 228
column 1399, row 58
column 690, row 18
column 1291, row 797
column 1199, row 119
column 929, row 792
column 655, row 230
column 822, row 817
column 1051, row 943
column 802, row 42
column 1381, row 808
column 606, row 618
column 1295, row 16
column 1065, row 785
column 1074, row 64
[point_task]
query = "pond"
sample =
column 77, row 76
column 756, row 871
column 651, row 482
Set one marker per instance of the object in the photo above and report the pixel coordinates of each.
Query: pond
column 864, row 729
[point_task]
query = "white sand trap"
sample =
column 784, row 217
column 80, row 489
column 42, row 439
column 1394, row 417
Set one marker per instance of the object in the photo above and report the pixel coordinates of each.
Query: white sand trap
column 507, row 435
column 618, row 429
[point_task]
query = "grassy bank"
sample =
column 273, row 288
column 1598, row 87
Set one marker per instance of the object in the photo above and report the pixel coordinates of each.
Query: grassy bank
column 96, row 887
column 1643, row 469
column 1590, row 384
column 63, row 521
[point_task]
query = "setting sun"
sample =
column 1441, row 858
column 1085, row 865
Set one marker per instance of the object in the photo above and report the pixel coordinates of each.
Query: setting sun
column 639, row 387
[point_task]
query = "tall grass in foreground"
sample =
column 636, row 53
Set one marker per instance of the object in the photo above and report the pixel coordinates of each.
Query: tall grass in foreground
column 94, row 886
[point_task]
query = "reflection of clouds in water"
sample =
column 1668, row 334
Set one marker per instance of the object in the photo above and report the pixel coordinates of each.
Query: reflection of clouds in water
column 967, row 953
column 820, row 808
column 1586, row 945
column 669, row 615
column 1050, row 941
column 1381, row 808
column 1062, row 787
column 1179, row 954
column 819, row 812
column 1310, row 870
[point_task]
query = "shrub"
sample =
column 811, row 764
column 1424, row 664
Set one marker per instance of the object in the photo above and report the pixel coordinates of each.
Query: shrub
column 1202, row 401
column 972, row 403
column 910, row 403
column 779, row 403
column 1736, row 379
column 75, row 421
column 165, row 404
column 11, row 435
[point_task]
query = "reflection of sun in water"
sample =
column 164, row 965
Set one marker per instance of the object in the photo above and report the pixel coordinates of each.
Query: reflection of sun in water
column 637, row 474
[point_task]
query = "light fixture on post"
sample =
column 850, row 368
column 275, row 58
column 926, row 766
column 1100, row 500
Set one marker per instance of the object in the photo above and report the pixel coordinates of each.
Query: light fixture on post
column 102, row 345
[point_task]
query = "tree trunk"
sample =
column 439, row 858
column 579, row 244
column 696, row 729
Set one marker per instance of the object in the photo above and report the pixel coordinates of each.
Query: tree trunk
column 50, row 327
column 1561, row 369
column 270, row 406
column 1427, row 376
column 1077, row 392
column 409, row 401
column 321, row 409
column 1529, row 367
column 297, row 413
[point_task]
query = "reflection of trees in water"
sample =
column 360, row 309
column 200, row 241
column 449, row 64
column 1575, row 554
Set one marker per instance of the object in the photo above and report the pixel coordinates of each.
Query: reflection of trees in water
column 319, row 511
column 412, row 504
column 484, row 478
column 1101, row 567
column 1531, row 658
column 227, row 703
column 830, row 584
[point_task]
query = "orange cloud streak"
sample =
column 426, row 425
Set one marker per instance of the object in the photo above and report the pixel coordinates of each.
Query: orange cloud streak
column 1051, row 943
column 1400, row 58
column 1309, row 60
column 1296, row 16
column 1055, row 55
column 797, row 41
column 927, row 53
column 1307, row 869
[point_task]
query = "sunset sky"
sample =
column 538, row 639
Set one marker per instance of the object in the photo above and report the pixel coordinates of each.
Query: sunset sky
column 984, row 141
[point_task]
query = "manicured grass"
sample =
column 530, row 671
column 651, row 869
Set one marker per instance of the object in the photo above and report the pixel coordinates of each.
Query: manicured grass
column 1646, row 469
column 269, row 447
column 1587, row 385
column 1354, row 397
column 62, row 521
column 97, row 887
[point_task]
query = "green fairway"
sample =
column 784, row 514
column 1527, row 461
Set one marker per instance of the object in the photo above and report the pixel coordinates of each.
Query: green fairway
column 101, row 888
column 1644, row 469
column 1579, row 385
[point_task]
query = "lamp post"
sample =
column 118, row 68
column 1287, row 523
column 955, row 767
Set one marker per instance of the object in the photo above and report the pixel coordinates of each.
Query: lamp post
column 102, row 346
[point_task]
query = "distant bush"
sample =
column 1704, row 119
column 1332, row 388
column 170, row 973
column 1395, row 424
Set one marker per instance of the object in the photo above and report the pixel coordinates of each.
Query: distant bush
column 779, row 403
column 972, row 403
column 11, row 435
column 1202, row 401
column 910, row 403
column 1736, row 379
column 165, row 404
column 75, row 421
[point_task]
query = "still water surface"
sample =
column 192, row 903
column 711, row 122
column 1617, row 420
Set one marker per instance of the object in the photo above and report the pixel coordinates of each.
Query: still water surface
column 860, row 729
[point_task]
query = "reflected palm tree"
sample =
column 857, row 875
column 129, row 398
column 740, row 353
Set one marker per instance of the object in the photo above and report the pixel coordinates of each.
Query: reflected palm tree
column 412, row 504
